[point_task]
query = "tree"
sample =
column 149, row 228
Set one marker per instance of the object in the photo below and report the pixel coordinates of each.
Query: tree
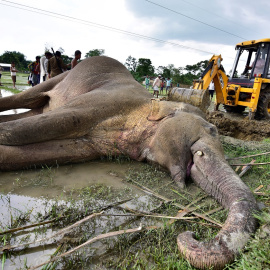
column 166, row 73
column 144, row 67
column 95, row 52
column 16, row 57
column 160, row 70
column 131, row 64
column 198, row 68
column 66, row 59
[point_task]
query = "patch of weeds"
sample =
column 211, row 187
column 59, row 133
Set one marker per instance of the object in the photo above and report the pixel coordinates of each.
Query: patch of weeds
column 21, row 219
column 256, row 255
column 44, row 177
column 115, row 157
column 154, row 249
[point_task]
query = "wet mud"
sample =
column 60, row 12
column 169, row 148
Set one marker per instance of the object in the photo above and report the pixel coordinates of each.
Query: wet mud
column 238, row 125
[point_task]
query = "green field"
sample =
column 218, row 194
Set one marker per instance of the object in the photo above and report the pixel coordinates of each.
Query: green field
column 21, row 82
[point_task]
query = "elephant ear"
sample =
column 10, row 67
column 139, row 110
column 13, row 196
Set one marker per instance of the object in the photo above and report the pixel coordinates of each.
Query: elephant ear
column 161, row 109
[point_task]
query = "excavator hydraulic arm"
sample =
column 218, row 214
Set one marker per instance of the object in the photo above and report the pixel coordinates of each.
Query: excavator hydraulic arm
column 198, row 95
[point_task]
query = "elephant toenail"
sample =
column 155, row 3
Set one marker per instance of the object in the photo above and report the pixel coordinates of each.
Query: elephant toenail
column 199, row 153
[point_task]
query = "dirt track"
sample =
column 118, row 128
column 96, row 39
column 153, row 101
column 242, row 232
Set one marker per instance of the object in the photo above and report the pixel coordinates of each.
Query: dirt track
column 238, row 126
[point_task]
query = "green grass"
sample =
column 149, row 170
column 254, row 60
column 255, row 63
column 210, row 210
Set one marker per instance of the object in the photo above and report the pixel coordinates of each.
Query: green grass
column 21, row 81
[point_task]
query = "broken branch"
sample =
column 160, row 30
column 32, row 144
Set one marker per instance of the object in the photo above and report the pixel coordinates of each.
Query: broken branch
column 99, row 237
column 266, row 153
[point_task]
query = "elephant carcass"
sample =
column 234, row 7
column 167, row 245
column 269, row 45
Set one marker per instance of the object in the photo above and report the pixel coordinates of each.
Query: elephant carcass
column 98, row 109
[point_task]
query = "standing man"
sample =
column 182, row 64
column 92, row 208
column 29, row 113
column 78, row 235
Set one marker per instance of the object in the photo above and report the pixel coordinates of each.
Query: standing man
column 44, row 66
column 168, row 84
column 13, row 72
column 147, row 82
column 34, row 68
column 56, row 65
column 211, row 89
column 77, row 57
column 156, row 85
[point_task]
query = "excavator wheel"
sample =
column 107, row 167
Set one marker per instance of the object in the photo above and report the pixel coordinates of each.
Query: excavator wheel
column 234, row 109
column 263, row 108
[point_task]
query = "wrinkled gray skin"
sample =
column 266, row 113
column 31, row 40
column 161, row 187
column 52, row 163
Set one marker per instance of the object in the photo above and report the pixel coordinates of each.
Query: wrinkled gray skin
column 99, row 109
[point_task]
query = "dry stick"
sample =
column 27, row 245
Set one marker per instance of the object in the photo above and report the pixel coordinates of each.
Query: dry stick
column 266, row 153
column 254, row 164
column 246, row 168
column 237, row 168
column 176, row 204
column 29, row 226
column 214, row 211
column 99, row 237
column 258, row 188
column 144, row 215
column 52, row 220
column 181, row 214
column 187, row 210
column 63, row 231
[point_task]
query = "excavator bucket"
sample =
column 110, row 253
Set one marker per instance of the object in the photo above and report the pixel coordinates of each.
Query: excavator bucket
column 199, row 98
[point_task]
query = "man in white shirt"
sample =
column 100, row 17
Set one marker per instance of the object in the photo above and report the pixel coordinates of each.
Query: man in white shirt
column 156, row 85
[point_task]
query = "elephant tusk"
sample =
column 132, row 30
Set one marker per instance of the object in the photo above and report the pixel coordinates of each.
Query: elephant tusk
column 199, row 153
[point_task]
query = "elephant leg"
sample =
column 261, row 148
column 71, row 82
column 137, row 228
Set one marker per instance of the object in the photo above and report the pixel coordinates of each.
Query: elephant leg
column 32, row 98
column 57, row 124
column 70, row 121
column 49, row 153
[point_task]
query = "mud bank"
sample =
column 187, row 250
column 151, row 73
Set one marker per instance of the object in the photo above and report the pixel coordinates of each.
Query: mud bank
column 239, row 127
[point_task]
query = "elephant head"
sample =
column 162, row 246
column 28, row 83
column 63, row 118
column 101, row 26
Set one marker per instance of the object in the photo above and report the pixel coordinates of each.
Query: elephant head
column 98, row 108
column 187, row 132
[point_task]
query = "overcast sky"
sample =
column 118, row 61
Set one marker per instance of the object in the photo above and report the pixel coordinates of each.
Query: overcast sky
column 178, row 32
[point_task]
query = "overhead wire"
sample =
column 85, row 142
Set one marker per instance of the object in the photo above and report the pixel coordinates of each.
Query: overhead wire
column 89, row 23
column 217, row 15
column 207, row 24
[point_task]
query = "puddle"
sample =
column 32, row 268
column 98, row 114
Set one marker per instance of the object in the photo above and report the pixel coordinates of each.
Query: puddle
column 4, row 93
column 31, row 195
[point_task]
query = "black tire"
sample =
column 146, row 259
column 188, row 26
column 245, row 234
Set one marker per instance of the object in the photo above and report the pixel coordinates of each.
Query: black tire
column 234, row 109
column 263, row 108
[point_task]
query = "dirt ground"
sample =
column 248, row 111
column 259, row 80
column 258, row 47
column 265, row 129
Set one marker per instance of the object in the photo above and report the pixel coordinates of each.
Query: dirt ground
column 239, row 126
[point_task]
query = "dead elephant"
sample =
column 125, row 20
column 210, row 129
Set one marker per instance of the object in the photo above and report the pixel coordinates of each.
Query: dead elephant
column 98, row 109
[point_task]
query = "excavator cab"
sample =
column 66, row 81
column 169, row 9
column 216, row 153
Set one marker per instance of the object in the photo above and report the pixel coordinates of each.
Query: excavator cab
column 251, row 61
column 251, row 76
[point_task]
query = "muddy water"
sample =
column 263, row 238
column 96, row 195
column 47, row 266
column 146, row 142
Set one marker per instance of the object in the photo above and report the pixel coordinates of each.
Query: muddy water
column 4, row 93
column 32, row 193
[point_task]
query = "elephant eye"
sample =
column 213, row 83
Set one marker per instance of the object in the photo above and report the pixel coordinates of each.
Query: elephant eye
column 213, row 131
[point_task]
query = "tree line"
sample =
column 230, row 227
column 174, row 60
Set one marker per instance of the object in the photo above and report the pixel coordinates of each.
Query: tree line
column 184, row 75
column 138, row 68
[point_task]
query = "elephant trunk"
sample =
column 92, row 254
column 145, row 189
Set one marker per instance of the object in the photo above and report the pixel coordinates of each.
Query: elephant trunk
column 217, row 178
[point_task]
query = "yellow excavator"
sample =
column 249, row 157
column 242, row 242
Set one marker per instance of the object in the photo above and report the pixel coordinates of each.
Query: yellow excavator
column 248, row 85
